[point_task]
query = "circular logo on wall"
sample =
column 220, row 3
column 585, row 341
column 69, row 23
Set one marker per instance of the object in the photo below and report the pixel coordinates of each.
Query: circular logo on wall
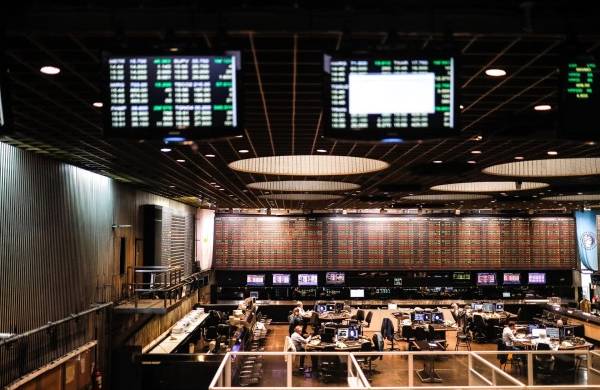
column 588, row 240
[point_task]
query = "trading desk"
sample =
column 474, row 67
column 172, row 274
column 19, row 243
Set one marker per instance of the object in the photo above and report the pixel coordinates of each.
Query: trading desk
column 344, row 346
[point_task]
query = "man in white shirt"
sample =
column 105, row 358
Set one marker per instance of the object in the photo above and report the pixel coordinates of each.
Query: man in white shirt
column 508, row 335
column 300, row 307
column 299, row 343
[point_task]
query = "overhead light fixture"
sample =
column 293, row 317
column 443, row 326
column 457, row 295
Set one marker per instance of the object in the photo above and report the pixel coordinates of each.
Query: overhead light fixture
column 303, row 185
column 209, row 155
column 171, row 186
column 180, row 160
column 478, row 138
column 552, row 153
column 239, row 136
column 555, row 167
column 300, row 196
column 495, row 72
column 437, row 161
column 221, row 189
column 243, row 151
column 543, row 107
column 489, row 186
column 321, row 151
column 519, row 157
column 98, row 104
column 472, row 162
column 173, row 49
column 166, row 150
column 446, row 197
column 574, row 198
column 309, row 165
column 51, row 70
column 590, row 143
column 461, row 107
column 475, row 151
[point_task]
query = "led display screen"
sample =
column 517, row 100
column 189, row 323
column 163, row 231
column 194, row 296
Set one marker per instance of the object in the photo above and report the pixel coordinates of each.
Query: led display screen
column 281, row 279
column 580, row 87
column 537, row 278
column 308, row 280
column 511, row 278
column 185, row 96
column 390, row 97
column 486, row 279
column 335, row 278
column 255, row 280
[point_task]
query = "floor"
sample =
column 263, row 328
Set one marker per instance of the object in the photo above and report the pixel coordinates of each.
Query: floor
column 393, row 370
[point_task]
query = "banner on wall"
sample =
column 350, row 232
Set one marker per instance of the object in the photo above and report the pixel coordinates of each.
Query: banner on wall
column 205, row 232
column 587, row 239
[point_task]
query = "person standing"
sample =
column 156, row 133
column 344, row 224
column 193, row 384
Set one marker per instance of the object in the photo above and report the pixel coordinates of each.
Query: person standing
column 300, row 343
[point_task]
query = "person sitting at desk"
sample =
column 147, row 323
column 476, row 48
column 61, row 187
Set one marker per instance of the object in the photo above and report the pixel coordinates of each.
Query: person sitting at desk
column 299, row 343
column 300, row 308
column 508, row 335
column 294, row 320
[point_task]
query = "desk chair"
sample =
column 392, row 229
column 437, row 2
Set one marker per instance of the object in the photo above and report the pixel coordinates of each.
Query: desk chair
column 420, row 333
column 544, row 364
column 211, row 333
column 463, row 339
column 315, row 322
column 365, row 361
column 506, row 359
column 359, row 316
column 367, row 322
column 329, row 366
column 480, row 326
column 408, row 334
column 388, row 331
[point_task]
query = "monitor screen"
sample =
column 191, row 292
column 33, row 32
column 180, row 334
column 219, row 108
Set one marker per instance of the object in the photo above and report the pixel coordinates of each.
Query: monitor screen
column 254, row 294
column 580, row 86
column 418, row 317
column 397, row 281
column 330, row 306
column 537, row 278
column 505, row 294
column 478, row 307
column 327, row 336
column 320, row 308
column 357, row 293
column 511, row 278
column 426, row 317
column 437, row 318
column 255, row 280
column 281, row 279
column 486, row 279
column 568, row 331
column 187, row 96
column 464, row 276
column 335, row 278
column 342, row 333
column 489, row 307
column 390, row 97
column 308, row 279
column 538, row 332
column 499, row 307
column 553, row 333
column 352, row 333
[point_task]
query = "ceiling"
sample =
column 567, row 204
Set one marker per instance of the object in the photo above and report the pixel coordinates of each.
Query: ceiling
column 282, row 44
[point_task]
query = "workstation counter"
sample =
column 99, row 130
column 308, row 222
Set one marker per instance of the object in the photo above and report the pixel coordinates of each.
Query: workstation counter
column 590, row 322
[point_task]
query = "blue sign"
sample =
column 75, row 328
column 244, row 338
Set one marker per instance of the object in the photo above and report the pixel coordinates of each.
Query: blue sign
column 587, row 239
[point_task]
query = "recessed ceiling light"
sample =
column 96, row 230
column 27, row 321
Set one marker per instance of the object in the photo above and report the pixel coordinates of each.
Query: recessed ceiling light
column 542, row 107
column 97, row 104
column 221, row 189
column 552, row 153
column 590, row 143
column 475, row 151
column 519, row 158
column 171, row 186
column 180, row 160
column 239, row 136
column 209, row 155
column 173, row 49
column 166, row 150
column 437, row 161
column 243, row 150
column 461, row 107
column 321, row 151
column 472, row 162
column 48, row 69
column 495, row 72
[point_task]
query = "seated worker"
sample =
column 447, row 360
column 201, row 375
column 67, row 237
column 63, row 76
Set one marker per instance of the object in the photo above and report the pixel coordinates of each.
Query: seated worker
column 300, row 307
column 508, row 335
column 299, row 343
column 294, row 320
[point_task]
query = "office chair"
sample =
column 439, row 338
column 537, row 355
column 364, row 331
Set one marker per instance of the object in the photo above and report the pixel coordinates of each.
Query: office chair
column 420, row 334
column 407, row 333
column 211, row 333
column 368, row 319
column 329, row 366
column 480, row 328
column 506, row 359
column 388, row 331
column 544, row 364
column 315, row 322
column 463, row 339
column 365, row 361
column 223, row 331
column 359, row 316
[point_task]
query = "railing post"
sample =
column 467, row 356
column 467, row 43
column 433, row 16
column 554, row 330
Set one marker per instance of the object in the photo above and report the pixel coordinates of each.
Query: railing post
column 228, row 372
column 494, row 377
column 289, row 370
column 470, row 367
column 530, row 369
column 349, row 362
column 410, row 370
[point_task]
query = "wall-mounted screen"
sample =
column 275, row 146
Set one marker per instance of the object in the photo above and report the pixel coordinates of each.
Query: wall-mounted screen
column 308, row 280
column 486, row 279
column 580, row 99
column 511, row 278
column 255, row 280
column 461, row 276
column 281, row 279
column 188, row 96
column 537, row 278
column 335, row 278
column 391, row 98
column 397, row 281
column 357, row 293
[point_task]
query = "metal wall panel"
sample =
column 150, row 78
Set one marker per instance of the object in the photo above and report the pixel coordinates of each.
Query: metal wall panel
column 58, row 250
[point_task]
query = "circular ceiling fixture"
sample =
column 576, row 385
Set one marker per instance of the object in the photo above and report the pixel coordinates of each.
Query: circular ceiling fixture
column 489, row 186
column 301, row 197
column 303, row 185
column 308, row 165
column 446, row 197
column 574, row 198
column 559, row 167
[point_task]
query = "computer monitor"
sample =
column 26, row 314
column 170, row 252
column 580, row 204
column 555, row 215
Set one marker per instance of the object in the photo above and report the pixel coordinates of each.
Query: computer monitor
column 568, row 331
column 342, row 333
column 357, row 293
column 426, row 317
column 255, row 280
column 499, row 307
column 330, row 306
column 537, row 332
column 478, row 307
column 281, row 279
column 339, row 306
column 505, row 294
column 320, row 308
column 418, row 317
column 327, row 336
column 254, row 295
column 352, row 333
column 553, row 333
column 488, row 307
column 437, row 318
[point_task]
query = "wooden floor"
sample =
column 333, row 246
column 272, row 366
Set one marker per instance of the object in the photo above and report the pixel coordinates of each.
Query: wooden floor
column 393, row 370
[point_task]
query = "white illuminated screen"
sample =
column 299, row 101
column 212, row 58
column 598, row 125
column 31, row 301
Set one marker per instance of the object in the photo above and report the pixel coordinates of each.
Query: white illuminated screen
column 412, row 93
column 357, row 293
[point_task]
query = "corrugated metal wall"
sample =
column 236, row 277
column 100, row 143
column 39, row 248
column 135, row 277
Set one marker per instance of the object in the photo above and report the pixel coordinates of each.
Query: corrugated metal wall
column 58, row 251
